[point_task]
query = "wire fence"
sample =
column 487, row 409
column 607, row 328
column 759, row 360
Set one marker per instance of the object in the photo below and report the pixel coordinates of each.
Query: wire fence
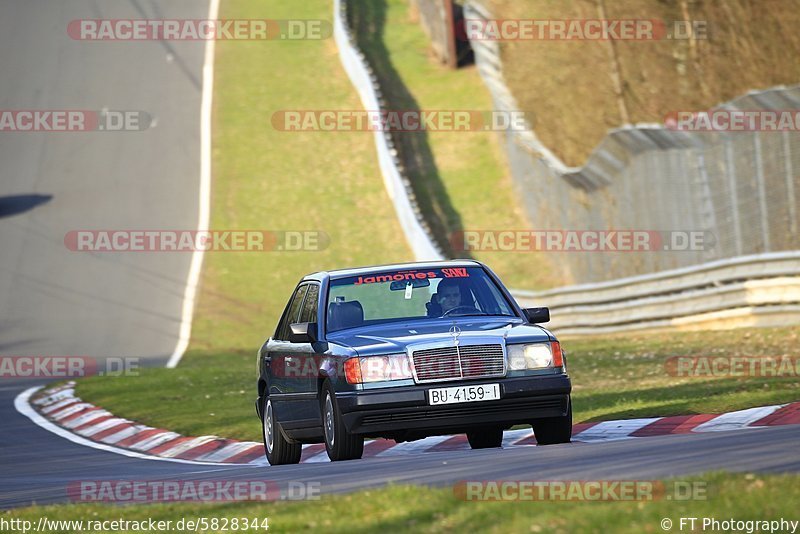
column 740, row 188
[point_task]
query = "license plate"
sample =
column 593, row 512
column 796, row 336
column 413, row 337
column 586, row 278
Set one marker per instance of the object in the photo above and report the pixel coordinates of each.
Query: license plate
column 458, row 394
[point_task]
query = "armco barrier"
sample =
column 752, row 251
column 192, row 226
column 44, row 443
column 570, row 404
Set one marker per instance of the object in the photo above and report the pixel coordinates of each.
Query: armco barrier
column 397, row 185
column 757, row 290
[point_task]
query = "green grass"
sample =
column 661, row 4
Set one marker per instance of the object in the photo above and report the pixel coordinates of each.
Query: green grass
column 460, row 179
column 622, row 377
column 273, row 180
column 613, row 378
column 419, row 509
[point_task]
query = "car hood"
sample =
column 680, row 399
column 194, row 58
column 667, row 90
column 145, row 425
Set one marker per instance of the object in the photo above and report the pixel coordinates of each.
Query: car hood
column 396, row 337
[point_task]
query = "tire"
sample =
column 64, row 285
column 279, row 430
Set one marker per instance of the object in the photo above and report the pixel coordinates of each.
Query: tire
column 278, row 449
column 553, row 430
column 485, row 438
column 339, row 443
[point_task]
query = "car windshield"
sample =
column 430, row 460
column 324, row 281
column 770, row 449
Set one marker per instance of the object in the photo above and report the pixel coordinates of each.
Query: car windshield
column 390, row 296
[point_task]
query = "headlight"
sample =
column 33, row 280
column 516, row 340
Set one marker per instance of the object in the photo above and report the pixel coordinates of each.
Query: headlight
column 377, row 368
column 534, row 356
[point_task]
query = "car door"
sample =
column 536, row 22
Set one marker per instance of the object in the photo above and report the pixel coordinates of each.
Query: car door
column 310, row 360
column 280, row 352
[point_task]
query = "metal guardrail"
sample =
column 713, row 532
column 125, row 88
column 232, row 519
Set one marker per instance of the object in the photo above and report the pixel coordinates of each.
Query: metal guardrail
column 762, row 289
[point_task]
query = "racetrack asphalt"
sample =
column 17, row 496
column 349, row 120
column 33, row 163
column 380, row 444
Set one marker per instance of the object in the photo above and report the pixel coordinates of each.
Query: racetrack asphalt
column 38, row 466
column 56, row 301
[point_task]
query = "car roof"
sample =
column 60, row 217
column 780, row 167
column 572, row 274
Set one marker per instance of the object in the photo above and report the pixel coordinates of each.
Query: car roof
column 355, row 271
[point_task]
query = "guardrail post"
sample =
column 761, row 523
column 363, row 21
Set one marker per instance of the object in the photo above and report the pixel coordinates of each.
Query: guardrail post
column 730, row 171
column 762, row 193
column 791, row 199
column 708, row 214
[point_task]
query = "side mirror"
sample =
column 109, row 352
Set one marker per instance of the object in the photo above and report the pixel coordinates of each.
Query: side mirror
column 303, row 332
column 537, row 315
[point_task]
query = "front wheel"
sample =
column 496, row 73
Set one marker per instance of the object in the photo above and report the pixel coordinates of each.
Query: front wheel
column 339, row 443
column 553, row 430
column 485, row 438
column 278, row 449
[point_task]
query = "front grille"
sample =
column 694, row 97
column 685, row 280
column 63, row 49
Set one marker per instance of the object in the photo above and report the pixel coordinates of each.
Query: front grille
column 456, row 362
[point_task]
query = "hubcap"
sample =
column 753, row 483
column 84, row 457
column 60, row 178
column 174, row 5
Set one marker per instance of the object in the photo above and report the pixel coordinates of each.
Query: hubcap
column 329, row 420
column 268, row 432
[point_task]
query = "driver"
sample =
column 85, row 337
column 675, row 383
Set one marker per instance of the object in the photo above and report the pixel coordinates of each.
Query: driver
column 449, row 294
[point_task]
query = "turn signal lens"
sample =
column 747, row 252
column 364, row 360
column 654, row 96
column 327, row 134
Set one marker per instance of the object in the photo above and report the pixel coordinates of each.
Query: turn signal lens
column 558, row 357
column 352, row 371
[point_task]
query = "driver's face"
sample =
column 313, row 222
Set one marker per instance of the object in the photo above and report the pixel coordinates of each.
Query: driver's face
column 449, row 298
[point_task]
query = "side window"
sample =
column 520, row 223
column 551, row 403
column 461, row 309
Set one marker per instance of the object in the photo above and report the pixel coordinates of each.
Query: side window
column 291, row 313
column 309, row 313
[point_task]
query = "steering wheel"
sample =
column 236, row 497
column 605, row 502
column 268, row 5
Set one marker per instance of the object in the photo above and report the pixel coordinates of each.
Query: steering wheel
column 462, row 308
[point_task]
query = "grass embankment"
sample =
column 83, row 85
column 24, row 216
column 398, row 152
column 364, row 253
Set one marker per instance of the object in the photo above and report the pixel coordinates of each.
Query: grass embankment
column 460, row 178
column 264, row 178
column 569, row 84
column 419, row 509
column 622, row 377
column 614, row 378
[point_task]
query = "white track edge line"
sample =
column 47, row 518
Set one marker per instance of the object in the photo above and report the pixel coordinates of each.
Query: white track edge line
column 23, row 406
column 204, row 209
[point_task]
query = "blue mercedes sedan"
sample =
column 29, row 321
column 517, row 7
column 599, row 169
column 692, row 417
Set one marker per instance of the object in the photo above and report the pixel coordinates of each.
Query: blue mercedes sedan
column 404, row 352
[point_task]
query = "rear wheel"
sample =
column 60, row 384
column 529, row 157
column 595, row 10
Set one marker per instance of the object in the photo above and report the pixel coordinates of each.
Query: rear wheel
column 278, row 449
column 339, row 443
column 553, row 430
column 485, row 438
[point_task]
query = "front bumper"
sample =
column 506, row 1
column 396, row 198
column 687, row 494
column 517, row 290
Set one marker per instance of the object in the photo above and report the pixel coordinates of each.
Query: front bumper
column 406, row 408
